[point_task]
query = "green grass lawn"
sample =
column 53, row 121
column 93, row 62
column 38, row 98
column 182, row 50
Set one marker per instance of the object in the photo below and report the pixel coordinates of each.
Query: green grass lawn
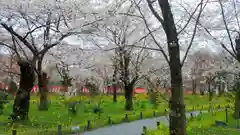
column 205, row 125
column 46, row 122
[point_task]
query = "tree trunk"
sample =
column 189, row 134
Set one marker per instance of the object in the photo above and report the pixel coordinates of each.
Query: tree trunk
column 42, row 86
column 237, row 104
column 221, row 88
column 194, row 86
column 114, row 86
column 128, row 97
column 201, row 89
column 237, row 99
column 114, row 93
column 210, row 92
column 177, row 106
column 21, row 101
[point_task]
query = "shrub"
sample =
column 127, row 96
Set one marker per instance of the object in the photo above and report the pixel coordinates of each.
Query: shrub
column 97, row 109
column 3, row 100
column 72, row 107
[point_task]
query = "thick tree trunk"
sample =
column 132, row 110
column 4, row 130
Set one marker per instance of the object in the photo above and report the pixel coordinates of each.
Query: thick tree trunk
column 237, row 104
column 21, row 102
column 177, row 106
column 128, row 97
column 114, row 93
column 237, row 99
column 42, row 86
column 114, row 86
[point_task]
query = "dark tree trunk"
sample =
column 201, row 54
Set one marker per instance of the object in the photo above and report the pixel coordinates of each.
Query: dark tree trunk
column 237, row 99
column 21, row 101
column 114, row 86
column 237, row 104
column 115, row 94
column 127, row 84
column 210, row 91
column 202, row 89
column 177, row 106
column 194, row 85
column 221, row 88
column 128, row 97
column 42, row 86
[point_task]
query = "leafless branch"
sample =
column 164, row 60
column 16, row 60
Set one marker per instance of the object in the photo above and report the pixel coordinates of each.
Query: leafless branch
column 150, row 32
column 236, row 14
column 214, row 38
column 12, row 32
column 226, row 27
column 191, row 16
column 194, row 31
column 154, row 12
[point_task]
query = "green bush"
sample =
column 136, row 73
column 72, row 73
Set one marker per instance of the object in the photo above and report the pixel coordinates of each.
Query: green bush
column 3, row 100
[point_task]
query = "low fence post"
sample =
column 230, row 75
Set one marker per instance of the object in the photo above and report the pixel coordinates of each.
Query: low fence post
column 109, row 120
column 145, row 130
column 191, row 115
column 59, row 129
column 14, row 132
column 226, row 111
column 126, row 117
column 141, row 115
column 219, row 107
column 88, row 124
column 158, row 124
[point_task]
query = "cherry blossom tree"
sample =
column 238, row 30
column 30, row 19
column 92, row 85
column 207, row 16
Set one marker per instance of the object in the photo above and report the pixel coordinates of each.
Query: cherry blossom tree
column 223, row 30
column 41, row 25
column 172, row 34
column 122, row 34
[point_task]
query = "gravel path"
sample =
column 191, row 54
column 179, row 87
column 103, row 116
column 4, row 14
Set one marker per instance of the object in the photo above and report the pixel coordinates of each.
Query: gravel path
column 132, row 128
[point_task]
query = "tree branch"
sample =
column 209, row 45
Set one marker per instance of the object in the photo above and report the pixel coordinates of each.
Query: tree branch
column 214, row 38
column 194, row 32
column 226, row 27
column 25, row 42
column 154, row 12
column 155, row 41
column 191, row 16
